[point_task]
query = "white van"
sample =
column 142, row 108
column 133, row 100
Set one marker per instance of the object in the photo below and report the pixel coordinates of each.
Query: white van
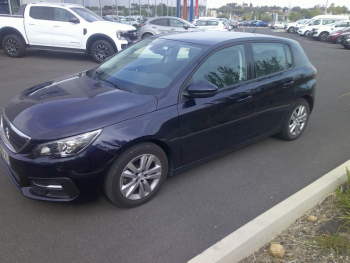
column 319, row 21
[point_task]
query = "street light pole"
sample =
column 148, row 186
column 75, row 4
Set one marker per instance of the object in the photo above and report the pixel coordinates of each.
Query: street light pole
column 325, row 11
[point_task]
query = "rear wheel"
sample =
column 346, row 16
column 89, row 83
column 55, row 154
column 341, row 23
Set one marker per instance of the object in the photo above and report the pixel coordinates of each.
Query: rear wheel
column 275, row 27
column 307, row 33
column 323, row 36
column 146, row 35
column 296, row 120
column 101, row 50
column 337, row 40
column 137, row 175
column 14, row 46
column 291, row 30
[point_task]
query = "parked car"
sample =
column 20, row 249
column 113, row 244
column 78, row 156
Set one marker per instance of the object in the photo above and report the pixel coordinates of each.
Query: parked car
column 346, row 40
column 244, row 23
column 124, row 126
column 277, row 25
column 63, row 27
column 335, row 36
column 318, row 21
column 165, row 24
column 291, row 27
column 213, row 25
column 322, row 33
column 260, row 24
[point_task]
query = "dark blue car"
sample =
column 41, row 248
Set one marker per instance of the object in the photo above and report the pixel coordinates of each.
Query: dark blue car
column 152, row 110
column 260, row 24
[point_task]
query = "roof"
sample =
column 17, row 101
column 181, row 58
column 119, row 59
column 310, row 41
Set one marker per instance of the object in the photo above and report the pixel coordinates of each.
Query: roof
column 56, row 4
column 210, row 38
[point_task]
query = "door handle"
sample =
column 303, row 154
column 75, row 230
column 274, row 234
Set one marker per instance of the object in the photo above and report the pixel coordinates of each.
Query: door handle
column 31, row 24
column 56, row 26
column 287, row 85
column 244, row 99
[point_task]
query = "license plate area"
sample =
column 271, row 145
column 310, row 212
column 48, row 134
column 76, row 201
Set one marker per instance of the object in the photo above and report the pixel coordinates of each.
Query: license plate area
column 4, row 154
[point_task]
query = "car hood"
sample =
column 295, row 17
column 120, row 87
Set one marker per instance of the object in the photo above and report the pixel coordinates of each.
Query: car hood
column 74, row 105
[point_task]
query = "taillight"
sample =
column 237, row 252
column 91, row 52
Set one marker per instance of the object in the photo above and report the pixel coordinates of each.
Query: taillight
column 140, row 25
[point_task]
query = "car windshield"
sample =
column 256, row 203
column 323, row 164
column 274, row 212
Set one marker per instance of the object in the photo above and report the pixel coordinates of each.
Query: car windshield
column 147, row 67
column 87, row 15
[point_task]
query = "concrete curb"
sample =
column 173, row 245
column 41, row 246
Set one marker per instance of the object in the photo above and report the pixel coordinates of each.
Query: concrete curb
column 265, row 227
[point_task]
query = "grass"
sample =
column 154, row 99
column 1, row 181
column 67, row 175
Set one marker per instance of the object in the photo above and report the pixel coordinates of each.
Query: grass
column 335, row 243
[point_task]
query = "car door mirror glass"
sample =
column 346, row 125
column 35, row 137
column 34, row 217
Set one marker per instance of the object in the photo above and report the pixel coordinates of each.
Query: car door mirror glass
column 202, row 89
column 74, row 20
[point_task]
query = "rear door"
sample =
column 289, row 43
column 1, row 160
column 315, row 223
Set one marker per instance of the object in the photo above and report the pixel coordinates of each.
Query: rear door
column 65, row 33
column 274, row 87
column 38, row 24
column 160, row 25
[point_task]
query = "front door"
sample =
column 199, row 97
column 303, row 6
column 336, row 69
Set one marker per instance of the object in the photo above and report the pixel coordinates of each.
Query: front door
column 65, row 33
column 211, row 125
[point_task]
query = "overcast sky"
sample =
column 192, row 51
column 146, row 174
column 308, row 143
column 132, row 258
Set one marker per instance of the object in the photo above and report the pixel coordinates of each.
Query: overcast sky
column 282, row 3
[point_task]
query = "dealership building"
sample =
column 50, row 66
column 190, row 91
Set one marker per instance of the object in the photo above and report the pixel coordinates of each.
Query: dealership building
column 186, row 9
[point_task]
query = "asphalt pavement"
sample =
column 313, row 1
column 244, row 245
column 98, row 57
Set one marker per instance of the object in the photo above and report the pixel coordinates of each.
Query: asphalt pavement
column 195, row 208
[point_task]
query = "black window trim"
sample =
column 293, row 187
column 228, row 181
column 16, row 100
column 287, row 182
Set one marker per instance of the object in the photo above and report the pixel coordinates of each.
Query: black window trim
column 275, row 73
column 168, row 21
column 185, row 85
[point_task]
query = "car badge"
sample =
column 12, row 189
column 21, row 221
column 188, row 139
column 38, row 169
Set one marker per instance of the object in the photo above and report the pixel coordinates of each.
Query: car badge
column 7, row 133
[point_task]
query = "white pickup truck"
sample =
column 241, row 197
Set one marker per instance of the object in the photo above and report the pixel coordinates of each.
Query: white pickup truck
column 63, row 27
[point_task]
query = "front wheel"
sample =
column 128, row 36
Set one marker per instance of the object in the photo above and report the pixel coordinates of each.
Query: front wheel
column 291, row 30
column 307, row 33
column 101, row 50
column 337, row 40
column 137, row 175
column 145, row 35
column 14, row 46
column 275, row 27
column 296, row 120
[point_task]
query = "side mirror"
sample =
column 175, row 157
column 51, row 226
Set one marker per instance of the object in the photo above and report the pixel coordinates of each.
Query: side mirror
column 185, row 26
column 202, row 89
column 74, row 20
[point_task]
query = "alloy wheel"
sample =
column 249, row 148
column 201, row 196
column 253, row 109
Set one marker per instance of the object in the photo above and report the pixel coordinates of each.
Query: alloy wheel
column 298, row 120
column 140, row 176
column 101, row 52
column 12, row 46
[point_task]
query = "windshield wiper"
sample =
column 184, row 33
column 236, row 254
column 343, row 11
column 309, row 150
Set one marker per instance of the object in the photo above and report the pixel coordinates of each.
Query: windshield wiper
column 99, row 76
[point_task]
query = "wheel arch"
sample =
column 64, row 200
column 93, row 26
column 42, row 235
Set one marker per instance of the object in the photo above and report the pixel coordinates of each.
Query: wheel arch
column 163, row 145
column 147, row 33
column 309, row 100
column 96, row 37
column 5, row 31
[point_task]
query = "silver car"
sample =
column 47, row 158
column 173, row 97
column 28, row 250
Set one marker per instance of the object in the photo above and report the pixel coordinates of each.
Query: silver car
column 165, row 24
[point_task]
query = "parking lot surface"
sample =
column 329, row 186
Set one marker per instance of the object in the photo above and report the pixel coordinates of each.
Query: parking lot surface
column 195, row 208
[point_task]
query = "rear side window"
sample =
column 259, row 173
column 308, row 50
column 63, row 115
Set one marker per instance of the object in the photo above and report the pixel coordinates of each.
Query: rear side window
column 212, row 23
column 41, row 12
column 176, row 23
column 270, row 58
column 326, row 22
column 201, row 23
column 224, row 68
column 160, row 22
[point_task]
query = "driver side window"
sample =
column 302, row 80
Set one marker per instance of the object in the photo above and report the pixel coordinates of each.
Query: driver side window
column 176, row 23
column 224, row 68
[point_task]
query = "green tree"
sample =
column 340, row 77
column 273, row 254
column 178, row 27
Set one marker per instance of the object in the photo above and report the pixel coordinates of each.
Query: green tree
column 316, row 12
column 294, row 16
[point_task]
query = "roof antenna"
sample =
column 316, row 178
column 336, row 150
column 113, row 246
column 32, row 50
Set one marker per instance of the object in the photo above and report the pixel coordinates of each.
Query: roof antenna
column 255, row 28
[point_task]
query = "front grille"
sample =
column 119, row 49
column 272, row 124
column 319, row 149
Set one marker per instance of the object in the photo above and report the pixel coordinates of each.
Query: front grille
column 131, row 35
column 12, row 136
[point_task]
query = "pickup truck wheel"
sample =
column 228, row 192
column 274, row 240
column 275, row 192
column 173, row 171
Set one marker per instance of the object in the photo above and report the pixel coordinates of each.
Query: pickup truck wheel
column 14, row 46
column 101, row 49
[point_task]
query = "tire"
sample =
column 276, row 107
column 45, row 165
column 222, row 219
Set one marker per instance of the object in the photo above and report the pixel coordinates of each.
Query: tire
column 101, row 49
column 307, row 33
column 337, row 41
column 145, row 35
column 126, row 171
column 291, row 30
column 296, row 120
column 323, row 36
column 14, row 46
column 347, row 47
column 275, row 27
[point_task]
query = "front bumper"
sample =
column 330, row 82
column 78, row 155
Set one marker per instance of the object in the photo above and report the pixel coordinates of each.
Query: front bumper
column 58, row 179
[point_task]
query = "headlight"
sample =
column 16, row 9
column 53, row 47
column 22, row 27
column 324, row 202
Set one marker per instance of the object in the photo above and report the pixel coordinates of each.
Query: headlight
column 120, row 35
column 68, row 146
